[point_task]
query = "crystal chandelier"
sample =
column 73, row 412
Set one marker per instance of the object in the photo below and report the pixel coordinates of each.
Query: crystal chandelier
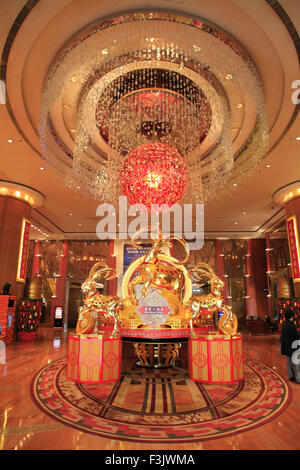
column 160, row 78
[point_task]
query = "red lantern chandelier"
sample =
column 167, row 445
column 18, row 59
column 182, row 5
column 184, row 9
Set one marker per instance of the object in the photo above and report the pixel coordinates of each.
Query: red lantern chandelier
column 154, row 174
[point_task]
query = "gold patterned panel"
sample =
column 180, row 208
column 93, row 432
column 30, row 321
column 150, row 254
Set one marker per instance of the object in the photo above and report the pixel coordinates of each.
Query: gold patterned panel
column 237, row 359
column 199, row 360
column 111, row 360
column 90, row 350
column 220, row 358
column 73, row 358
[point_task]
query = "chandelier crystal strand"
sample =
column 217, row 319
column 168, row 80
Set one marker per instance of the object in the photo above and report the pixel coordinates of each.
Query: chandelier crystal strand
column 192, row 112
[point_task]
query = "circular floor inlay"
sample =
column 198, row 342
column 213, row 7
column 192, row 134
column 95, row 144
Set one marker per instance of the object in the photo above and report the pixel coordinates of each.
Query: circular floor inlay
column 164, row 405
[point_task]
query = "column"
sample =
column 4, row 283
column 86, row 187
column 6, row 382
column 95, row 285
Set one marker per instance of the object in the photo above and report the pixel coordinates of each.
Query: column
column 256, row 278
column 60, row 286
column 16, row 202
column 250, row 298
column 36, row 259
column 269, row 269
column 220, row 267
column 289, row 197
column 113, row 283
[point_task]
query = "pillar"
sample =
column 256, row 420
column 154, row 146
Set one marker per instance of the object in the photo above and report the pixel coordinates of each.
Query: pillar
column 61, row 283
column 113, row 283
column 16, row 202
column 36, row 259
column 256, row 279
column 289, row 197
column 220, row 267
column 269, row 269
column 12, row 212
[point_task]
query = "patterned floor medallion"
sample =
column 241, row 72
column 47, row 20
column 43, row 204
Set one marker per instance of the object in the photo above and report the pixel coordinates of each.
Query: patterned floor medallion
column 162, row 405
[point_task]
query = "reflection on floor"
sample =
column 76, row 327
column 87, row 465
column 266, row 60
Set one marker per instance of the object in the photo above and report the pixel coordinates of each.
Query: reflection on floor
column 24, row 426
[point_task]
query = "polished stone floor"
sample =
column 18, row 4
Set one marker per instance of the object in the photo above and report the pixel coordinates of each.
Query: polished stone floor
column 24, row 427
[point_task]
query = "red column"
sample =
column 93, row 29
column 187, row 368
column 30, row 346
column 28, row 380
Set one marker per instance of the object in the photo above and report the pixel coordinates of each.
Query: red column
column 60, row 289
column 268, row 260
column 220, row 266
column 256, row 282
column 112, row 284
column 36, row 260
column 250, row 298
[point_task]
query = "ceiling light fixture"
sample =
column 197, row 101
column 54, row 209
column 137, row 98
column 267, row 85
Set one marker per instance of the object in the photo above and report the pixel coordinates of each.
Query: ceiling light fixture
column 10, row 141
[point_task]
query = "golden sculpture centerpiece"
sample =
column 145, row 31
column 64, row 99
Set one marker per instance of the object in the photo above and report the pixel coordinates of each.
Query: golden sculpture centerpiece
column 166, row 300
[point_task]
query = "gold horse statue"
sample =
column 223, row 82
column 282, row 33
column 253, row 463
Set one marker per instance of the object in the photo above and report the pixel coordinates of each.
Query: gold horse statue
column 105, row 306
column 153, row 272
column 212, row 302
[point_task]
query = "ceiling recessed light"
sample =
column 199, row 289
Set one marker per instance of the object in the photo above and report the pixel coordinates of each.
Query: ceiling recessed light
column 70, row 213
column 104, row 51
column 72, row 130
column 268, row 166
column 42, row 168
column 10, row 141
column 239, row 105
column 297, row 138
column 244, row 213
column 74, row 79
column 235, row 184
column 229, row 76
column 80, row 225
column 235, row 223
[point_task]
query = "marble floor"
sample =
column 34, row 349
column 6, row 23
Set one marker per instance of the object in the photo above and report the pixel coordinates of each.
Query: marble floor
column 24, row 427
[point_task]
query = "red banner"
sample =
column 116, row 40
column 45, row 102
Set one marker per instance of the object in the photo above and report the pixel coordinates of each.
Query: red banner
column 23, row 251
column 292, row 230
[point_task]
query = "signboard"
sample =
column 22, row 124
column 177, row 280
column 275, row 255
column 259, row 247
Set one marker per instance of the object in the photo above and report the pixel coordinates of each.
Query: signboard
column 131, row 254
column 23, row 250
column 153, row 309
column 58, row 312
column 292, row 230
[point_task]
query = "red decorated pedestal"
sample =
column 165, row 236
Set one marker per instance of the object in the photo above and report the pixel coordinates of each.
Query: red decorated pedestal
column 94, row 359
column 216, row 359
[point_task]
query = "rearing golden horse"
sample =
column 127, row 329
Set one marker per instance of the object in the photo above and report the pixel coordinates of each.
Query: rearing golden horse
column 213, row 301
column 106, row 306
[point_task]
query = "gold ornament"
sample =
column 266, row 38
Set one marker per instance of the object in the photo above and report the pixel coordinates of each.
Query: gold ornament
column 104, row 306
column 212, row 302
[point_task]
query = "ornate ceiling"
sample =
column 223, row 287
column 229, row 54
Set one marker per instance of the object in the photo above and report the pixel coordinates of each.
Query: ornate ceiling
column 74, row 69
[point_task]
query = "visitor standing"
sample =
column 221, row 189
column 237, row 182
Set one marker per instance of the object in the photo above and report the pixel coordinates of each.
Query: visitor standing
column 289, row 334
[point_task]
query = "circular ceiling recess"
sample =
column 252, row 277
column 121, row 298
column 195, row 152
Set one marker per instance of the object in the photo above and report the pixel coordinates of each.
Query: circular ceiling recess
column 146, row 77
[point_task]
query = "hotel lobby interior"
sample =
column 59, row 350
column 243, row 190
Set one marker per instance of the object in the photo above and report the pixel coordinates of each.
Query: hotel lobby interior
column 149, row 225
